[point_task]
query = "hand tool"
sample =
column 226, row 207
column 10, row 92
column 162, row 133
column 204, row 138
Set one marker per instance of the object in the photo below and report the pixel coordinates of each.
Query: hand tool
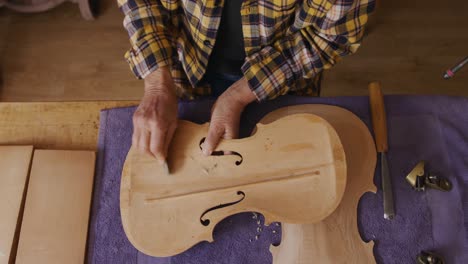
column 420, row 179
column 379, row 122
column 427, row 257
column 451, row 72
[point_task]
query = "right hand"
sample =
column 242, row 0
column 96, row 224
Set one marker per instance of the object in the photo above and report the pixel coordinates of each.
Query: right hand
column 155, row 120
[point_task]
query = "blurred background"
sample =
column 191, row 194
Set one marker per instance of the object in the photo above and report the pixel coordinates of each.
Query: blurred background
column 61, row 55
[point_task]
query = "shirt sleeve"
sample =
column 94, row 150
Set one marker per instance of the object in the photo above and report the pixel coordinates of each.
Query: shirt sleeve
column 321, row 35
column 148, row 25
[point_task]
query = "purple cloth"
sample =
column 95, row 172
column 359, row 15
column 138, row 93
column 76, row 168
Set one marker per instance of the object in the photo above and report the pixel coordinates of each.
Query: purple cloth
column 428, row 128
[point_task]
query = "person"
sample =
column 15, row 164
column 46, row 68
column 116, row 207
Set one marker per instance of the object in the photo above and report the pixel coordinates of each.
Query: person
column 238, row 51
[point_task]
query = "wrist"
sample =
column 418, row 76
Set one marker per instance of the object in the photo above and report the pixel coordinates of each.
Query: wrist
column 159, row 82
column 241, row 92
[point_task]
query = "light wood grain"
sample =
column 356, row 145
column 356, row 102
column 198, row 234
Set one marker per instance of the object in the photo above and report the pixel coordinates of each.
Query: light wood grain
column 71, row 125
column 379, row 116
column 14, row 164
column 55, row 222
column 335, row 239
column 298, row 179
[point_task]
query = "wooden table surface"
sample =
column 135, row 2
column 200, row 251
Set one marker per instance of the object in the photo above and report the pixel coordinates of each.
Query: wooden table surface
column 53, row 125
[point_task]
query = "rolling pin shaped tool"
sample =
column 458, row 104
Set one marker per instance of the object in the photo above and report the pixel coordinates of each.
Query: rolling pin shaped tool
column 379, row 122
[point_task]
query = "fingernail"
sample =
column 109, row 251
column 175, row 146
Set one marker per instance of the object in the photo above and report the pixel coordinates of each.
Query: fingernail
column 163, row 164
column 166, row 168
column 206, row 152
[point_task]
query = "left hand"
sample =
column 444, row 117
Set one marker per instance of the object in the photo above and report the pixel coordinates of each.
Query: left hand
column 225, row 114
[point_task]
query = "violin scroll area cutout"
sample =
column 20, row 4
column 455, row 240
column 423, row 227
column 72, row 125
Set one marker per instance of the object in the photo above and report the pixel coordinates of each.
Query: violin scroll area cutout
column 224, row 153
column 206, row 222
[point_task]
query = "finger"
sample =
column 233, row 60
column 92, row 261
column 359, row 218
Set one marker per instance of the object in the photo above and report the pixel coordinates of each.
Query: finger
column 136, row 131
column 169, row 136
column 231, row 133
column 157, row 143
column 135, row 136
column 143, row 142
column 215, row 132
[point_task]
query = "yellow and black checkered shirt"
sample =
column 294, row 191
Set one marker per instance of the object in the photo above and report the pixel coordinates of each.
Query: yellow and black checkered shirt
column 288, row 43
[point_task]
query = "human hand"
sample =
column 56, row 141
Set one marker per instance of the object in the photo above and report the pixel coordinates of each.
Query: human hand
column 225, row 114
column 155, row 119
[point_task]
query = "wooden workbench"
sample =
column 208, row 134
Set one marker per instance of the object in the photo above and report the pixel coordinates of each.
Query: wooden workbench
column 53, row 125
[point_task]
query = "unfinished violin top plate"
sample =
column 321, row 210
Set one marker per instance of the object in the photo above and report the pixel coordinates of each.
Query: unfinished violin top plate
column 292, row 170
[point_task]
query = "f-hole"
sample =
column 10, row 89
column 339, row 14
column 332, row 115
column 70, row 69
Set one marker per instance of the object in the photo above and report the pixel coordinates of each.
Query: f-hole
column 206, row 222
column 224, row 152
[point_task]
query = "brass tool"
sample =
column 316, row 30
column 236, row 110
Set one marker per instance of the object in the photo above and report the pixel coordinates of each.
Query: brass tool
column 420, row 179
column 379, row 122
column 426, row 257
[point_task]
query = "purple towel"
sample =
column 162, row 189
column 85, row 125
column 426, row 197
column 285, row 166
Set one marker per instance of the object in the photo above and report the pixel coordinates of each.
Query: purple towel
column 434, row 129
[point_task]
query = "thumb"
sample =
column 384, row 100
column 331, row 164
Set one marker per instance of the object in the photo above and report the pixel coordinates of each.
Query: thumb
column 215, row 132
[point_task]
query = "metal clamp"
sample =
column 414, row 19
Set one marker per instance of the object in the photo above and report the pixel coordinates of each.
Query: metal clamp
column 426, row 257
column 420, row 179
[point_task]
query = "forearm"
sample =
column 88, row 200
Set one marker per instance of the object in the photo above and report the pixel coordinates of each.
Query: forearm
column 151, row 34
column 276, row 68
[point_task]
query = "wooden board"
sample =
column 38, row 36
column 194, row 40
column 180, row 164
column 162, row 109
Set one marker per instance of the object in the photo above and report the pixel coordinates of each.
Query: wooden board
column 14, row 164
column 336, row 239
column 298, row 179
column 55, row 222
column 64, row 125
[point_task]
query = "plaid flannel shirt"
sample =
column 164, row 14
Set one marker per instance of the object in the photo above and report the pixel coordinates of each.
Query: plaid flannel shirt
column 288, row 43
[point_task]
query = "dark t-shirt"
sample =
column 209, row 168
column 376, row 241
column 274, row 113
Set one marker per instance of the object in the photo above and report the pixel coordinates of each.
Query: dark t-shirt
column 228, row 54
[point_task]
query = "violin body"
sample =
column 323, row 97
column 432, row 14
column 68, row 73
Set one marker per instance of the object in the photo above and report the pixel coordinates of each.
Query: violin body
column 292, row 170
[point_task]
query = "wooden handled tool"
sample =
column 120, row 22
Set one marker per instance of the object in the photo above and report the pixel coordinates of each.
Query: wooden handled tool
column 379, row 122
column 379, row 118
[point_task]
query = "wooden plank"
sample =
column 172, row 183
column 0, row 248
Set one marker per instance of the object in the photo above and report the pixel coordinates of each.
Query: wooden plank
column 14, row 164
column 55, row 125
column 55, row 222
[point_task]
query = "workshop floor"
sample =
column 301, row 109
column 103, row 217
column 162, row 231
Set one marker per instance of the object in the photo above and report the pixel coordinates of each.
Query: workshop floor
column 57, row 56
